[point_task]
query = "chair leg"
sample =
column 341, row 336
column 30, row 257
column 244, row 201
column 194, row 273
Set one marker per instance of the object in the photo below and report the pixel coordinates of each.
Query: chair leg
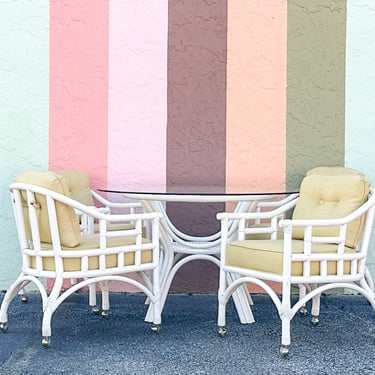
column 104, row 287
column 46, row 326
column 302, row 293
column 92, row 299
column 9, row 296
column 49, row 307
column 315, row 309
column 222, row 305
column 155, row 327
column 24, row 297
column 155, row 304
column 285, row 336
column 222, row 331
column 286, row 315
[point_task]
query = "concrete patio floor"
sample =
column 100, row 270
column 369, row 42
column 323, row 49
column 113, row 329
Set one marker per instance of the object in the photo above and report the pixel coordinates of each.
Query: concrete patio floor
column 84, row 343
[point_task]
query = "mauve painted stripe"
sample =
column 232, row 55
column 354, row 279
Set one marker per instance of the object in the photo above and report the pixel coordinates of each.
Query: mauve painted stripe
column 79, row 87
column 196, row 122
column 316, row 86
column 138, row 93
column 196, row 105
column 256, row 94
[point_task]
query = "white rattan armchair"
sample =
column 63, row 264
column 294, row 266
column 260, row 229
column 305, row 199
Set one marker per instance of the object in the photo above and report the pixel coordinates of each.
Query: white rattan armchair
column 78, row 183
column 323, row 247
column 52, row 247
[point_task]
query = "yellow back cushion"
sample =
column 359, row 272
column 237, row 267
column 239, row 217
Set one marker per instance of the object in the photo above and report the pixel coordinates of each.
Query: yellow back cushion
column 78, row 183
column 328, row 193
column 67, row 220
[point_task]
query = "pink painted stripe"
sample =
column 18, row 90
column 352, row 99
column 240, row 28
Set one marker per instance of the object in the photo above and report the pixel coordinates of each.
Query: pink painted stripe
column 256, row 94
column 137, row 93
column 79, row 86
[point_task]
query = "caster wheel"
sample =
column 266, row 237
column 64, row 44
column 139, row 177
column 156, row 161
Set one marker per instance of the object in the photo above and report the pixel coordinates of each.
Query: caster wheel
column 24, row 299
column 315, row 320
column 4, row 326
column 155, row 328
column 284, row 350
column 303, row 311
column 104, row 313
column 95, row 309
column 46, row 341
column 222, row 331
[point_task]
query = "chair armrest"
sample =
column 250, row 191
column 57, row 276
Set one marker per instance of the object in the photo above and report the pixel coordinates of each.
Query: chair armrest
column 241, row 226
column 111, row 204
column 258, row 215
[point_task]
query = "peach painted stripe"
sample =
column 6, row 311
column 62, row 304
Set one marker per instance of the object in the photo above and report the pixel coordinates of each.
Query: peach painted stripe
column 137, row 93
column 79, row 86
column 256, row 94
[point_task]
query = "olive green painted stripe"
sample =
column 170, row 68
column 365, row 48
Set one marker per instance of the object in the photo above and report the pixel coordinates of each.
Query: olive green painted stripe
column 316, row 86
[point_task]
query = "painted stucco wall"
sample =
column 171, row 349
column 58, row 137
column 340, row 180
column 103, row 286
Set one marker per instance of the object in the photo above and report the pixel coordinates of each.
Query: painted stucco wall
column 316, row 86
column 24, row 81
column 137, row 95
column 256, row 94
column 78, row 96
column 360, row 94
column 131, row 92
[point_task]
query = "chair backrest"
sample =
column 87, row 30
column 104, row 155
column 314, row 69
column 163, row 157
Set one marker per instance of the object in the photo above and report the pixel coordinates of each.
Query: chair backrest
column 67, row 220
column 78, row 183
column 328, row 193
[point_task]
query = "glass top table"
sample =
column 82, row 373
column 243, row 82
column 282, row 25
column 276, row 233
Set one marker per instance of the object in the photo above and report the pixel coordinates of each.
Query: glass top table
column 199, row 193
column 180, row 248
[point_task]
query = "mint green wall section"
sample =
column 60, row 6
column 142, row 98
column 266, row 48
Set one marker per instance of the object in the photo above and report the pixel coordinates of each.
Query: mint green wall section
column 23, row 111
column 315, row 86
column 360, row 94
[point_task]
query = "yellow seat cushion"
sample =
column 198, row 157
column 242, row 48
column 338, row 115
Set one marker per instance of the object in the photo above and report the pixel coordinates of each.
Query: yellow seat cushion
column 92, row 242
column 267, row 256
column 329, row 193
column 70, row 232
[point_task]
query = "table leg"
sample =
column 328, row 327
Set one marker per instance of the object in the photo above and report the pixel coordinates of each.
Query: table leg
column 241, row 296
column 171, row 263
column 242, row 301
